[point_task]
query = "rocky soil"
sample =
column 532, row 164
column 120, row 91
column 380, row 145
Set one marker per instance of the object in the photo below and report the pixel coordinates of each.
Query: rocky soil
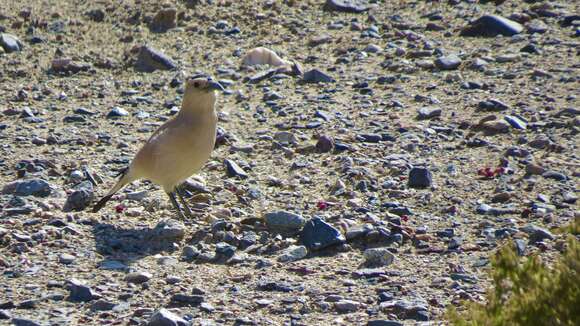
column 365, row 178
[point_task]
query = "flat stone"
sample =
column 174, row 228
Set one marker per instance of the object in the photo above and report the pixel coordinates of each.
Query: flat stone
column 150, row 59
column 515, row 122
column 383, row 322
column 66, row 259
column 117, row 112
column 293, row 253
column 378, row 257
column 164, row 20
column 345, row 306
column 317, row 234
column 187, row 300
column 164, row 317
column 492, row 25
column 138, row 277
column 350, row 6
column 429, row 112
column 10, row 43
column 234, row 170
column 79, row 292
column 80, row 198
column 284, row 222
column 317, row 76
column 420, row 178
column 448, row 62
column 24, row 322
column 32, row 187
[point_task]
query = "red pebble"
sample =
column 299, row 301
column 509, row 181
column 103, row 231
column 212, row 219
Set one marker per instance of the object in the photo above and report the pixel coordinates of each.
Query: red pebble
column 120, row 208
column 322, row 205
column 405, row 218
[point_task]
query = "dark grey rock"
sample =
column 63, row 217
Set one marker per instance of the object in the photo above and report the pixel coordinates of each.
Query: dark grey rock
column 138, row 277
column 537, row 233
column 164, row 20
column 429, row 112
column 515, row 122
column 10, row 43
column 448, row 62
column 79, row 292
column 24, row 322
column 102, row 305
column 186, row 300
column 492, row 105
column 555, row 175
column 80, row 198
column 234, row 170
column 383, row 322
column 350, row 6
column 97, row 15
column 317, row 234
column 317, row 76
column 4, row 315
column 164, row 317
column 520, row 246
column 420, row 178
column 150, row 59
column 492, row 25
column 378, row 257
column 284, row 222
column 370, row 138
column 405, row 309
column 325, row 144
column 117, row 112
column 32, row 187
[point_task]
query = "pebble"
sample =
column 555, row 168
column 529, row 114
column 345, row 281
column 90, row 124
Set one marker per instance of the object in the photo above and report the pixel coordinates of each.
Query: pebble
column 378, row 257
column 79, row 292
column 317, row 76
column 420, row 178
column 24, row 322
column 492, row 25
column 317, row 234
column 448, row 62
column 383, row 322
column 293, row 253
column 429, row 112
column 138, row 277
column 349, row 6
column 32, row 187
column 346, row 306
column 516, row 122
column 325, row 144
column 284, row 222
column 186, row 299
column 117, row 112
column 66, row 259
column 233, row 170
column 164, row 20
column 150, row 59
column 10, row 43
column 164, row 317
column 80, row 198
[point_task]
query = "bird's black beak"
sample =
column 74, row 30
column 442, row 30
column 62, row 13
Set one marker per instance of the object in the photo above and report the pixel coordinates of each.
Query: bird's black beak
column 213, row 85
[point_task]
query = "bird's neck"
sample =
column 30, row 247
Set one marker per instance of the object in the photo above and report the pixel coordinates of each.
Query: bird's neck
column 197, row 106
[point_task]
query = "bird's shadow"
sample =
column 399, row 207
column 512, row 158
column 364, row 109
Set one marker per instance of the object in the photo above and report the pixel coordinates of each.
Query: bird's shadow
column 117, row 244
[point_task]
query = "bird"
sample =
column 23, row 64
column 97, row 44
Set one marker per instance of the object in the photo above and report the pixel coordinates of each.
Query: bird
column 179, row 148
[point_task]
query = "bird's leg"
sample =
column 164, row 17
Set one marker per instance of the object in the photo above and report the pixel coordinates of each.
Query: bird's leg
column 179, row 190
column 175, row 204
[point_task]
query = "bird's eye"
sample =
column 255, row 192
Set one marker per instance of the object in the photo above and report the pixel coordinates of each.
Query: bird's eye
column 196, row 84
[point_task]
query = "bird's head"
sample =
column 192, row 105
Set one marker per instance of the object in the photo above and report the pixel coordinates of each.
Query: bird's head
column 201, row 92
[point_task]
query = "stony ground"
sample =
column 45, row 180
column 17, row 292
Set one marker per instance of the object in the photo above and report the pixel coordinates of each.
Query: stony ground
column 431, row 146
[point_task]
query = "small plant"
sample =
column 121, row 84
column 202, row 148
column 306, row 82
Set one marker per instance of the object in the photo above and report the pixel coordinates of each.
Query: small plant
column 529, row 292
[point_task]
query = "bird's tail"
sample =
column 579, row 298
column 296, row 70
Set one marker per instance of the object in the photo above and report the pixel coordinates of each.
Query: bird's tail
column 125, row 178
